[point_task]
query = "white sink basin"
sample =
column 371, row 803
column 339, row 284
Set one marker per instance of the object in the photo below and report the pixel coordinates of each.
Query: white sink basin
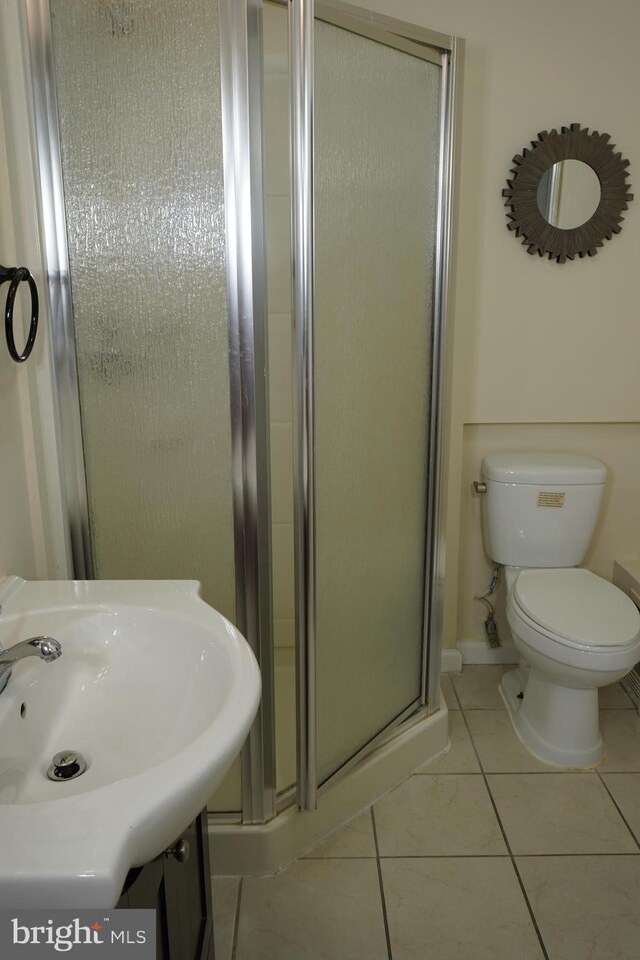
column 154, row 688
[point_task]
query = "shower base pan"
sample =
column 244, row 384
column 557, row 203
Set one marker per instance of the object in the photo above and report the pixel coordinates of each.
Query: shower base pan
column 243, row 850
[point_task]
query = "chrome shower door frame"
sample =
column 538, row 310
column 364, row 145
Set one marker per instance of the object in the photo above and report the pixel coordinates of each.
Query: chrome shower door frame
column 241, row 66
column 241, row 91
column 447, row 52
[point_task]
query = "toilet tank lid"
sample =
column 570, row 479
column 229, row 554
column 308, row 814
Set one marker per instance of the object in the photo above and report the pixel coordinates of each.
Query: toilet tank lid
column 543, row 468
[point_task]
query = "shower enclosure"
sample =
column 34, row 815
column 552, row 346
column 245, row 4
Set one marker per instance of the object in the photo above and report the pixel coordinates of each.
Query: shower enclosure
column 245, row 212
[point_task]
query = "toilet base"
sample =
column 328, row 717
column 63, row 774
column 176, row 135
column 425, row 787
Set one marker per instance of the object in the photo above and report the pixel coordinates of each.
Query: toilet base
column 557, row 724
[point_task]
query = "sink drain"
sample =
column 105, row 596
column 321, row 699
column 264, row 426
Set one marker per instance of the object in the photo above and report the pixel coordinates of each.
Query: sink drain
column 67, row 765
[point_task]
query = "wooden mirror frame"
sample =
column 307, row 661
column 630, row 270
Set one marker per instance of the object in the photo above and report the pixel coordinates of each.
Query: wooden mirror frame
column 526, row 220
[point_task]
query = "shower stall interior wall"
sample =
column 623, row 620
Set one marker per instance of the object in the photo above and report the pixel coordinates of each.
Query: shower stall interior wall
column 275, row 434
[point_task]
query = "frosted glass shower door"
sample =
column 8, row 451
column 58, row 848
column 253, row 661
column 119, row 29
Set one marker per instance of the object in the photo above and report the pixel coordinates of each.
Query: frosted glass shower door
column 377, row 135
column 139, row 111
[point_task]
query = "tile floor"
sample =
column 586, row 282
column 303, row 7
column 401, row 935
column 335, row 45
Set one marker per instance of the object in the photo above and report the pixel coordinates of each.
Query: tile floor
column 483, row 854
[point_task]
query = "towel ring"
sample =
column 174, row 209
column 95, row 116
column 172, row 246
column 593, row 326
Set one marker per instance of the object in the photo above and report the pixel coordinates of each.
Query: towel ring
column 16, row 275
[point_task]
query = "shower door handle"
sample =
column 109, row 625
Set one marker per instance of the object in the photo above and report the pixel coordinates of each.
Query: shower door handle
column 14, row 276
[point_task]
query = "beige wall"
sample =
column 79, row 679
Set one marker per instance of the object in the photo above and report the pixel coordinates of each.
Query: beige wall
column 536, row 342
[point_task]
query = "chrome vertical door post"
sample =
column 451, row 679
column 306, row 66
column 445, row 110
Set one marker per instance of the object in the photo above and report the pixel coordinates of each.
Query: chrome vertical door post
column 452, row 67
column 301, row 18
column 241, row 82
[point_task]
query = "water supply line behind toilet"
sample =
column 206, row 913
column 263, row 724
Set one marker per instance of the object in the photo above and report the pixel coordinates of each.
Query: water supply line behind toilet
column 489, row 623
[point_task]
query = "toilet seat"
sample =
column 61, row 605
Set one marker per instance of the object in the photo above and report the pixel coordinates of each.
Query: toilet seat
column 577, row 609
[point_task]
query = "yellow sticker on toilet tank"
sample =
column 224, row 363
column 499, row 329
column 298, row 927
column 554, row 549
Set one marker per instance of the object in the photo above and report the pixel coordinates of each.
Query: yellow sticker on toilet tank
column 549, row 498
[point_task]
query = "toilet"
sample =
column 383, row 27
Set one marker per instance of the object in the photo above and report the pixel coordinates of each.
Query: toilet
column 574, row 631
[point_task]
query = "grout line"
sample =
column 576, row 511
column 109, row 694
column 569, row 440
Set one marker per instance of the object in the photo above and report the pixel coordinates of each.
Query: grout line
column 534, row 856
column 451, row 856
column 504, row 837
column 504, row 709
column 426, row 773
column 382, row 898
column 516, row 773
column 492, row 856
column 613, row 800
column 236, row 924
column 631, row 772
column 561, row 771
column 356, row 856
column 477, row 856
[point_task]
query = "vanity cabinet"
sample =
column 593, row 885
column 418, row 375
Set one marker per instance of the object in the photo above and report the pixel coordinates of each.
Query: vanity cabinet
column 177, row 885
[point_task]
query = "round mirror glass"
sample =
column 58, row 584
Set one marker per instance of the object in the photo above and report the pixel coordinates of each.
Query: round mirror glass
column 568, row 194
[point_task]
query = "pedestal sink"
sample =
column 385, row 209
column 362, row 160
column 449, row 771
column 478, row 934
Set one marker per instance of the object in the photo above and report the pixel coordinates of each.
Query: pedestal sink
column 154, row 688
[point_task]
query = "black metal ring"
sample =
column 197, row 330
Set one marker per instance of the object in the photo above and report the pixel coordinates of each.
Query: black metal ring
column 21, row 274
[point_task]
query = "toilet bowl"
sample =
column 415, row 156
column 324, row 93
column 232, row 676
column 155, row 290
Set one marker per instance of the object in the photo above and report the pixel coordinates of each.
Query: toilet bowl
column 575, row 632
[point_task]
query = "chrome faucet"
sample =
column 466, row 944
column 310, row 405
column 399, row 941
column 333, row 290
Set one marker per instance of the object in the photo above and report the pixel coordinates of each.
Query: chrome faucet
column 46, row 648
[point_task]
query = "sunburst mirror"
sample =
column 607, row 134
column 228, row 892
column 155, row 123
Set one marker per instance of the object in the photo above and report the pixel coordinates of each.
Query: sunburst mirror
column 567, row 193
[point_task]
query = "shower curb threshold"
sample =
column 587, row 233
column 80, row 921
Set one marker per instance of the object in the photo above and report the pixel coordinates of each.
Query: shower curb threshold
column 241, row 850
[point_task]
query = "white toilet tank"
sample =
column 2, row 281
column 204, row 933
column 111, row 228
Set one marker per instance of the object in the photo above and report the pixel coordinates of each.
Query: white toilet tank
column 540, row 509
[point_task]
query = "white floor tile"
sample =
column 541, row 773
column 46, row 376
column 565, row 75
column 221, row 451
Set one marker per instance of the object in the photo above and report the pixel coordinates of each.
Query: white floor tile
column 457, row 909
column 625, row 790
column 587, row 908
column 447, row 815
column 620, row 731
column 498, row 745
column 315, row 910
column 355, row 839
column 225, row 898
column 562, row 813
column 477, row 686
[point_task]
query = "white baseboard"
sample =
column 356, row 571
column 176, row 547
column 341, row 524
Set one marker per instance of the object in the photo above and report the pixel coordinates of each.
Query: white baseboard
column 451, row 660
column 477, row 651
